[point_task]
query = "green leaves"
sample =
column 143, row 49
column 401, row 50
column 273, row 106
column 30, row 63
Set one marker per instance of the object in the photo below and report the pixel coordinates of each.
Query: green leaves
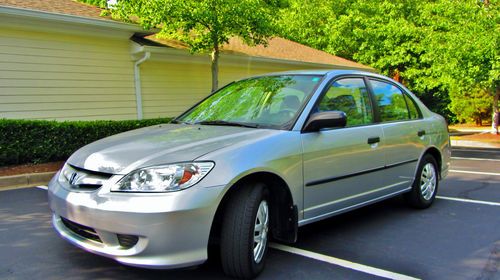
column 99, row 3
column 437, row 46
column 32, row 141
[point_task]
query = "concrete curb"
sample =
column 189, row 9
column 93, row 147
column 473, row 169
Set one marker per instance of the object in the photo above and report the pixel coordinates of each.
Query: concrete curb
column 474, row 144
column 26, row 180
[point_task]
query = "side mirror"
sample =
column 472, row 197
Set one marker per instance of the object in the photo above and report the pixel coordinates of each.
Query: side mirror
column 329, row 119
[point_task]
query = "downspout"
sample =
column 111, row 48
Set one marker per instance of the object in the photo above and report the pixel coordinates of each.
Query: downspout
column 137, row 81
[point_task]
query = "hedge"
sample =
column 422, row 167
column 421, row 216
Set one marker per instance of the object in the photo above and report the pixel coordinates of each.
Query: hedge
column 36, row 141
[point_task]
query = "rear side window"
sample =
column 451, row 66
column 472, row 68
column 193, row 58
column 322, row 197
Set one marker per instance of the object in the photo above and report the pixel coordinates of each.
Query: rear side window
column 349, row 95
column 412, row 108
column 391, row 101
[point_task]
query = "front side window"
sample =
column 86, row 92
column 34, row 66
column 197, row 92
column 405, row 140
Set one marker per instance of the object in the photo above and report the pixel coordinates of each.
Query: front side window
column 349, row 95
column 268, row 101
column 390, row 101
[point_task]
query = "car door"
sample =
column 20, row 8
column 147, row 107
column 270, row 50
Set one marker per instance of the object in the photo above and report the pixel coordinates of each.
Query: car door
column 343, row 167
column 404, row 131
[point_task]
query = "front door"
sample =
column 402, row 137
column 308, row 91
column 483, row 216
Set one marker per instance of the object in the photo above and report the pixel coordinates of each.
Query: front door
column 343, row 167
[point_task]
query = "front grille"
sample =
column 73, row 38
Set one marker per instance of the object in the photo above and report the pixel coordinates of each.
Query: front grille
column 81, row 230
column 85, row 180
column 127, row 241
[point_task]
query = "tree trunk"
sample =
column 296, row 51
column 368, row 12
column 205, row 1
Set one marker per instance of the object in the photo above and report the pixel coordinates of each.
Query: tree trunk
column 215, row 67
column 496, row 114
column 396, row 76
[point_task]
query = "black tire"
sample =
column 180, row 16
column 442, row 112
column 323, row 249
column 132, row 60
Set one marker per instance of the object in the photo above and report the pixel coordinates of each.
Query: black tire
column 237, row 233
column 417, row 197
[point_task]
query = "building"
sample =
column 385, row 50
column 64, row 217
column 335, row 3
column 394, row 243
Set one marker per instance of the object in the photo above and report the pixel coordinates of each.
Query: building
column 59, row 59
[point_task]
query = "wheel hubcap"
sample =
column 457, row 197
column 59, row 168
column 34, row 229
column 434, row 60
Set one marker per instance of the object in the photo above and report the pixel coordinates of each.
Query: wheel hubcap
column 428, row 181
column 261, row 229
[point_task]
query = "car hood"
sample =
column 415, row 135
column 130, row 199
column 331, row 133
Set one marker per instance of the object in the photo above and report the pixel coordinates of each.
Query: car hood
column 161, row 144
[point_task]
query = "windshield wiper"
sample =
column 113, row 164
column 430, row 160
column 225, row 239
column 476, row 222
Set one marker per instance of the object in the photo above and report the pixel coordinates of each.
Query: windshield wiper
column 221, row 122
column 179, row 122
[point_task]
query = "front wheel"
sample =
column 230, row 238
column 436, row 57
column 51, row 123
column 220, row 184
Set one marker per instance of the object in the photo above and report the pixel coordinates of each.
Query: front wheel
column 425, row 186
column 244, row 234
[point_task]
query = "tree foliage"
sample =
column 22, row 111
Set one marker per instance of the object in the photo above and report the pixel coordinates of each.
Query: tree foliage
column 98, row 3
column 205, row 25
column 447, row 51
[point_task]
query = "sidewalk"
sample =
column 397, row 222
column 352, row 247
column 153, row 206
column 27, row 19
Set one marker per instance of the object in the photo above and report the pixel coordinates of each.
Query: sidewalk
column 474, row 144
column 25, row 180
column 470, row 138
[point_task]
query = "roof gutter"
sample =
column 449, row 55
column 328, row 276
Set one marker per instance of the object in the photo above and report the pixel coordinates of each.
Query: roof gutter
column 137, row 82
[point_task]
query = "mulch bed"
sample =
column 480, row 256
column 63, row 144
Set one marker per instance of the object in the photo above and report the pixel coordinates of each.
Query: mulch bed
column 30, row 168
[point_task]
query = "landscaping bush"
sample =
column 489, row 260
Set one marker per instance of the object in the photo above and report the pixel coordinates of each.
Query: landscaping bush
column 34, row 141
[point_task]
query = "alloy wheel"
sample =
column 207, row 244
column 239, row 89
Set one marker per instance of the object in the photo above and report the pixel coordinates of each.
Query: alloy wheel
column 428, row 181
column 261, row 229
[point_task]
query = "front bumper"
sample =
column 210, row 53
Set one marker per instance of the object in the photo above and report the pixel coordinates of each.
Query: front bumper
column 171, row 229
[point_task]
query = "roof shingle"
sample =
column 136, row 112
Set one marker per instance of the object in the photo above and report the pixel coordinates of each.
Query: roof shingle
column 67, row 7
column 277, row 48
column 285, row 49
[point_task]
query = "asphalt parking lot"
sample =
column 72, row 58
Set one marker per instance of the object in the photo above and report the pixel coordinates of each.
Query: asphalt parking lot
column 457, row 238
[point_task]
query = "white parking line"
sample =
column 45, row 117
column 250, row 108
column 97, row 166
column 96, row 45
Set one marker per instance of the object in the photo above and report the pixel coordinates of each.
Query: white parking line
column 479, row 159
column 340, row 262
column 475, row 172
column 43, row 187
column 481, row 151
column 469, row 200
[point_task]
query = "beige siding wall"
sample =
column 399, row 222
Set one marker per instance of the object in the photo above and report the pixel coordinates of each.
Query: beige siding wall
column 51, row 75
column 168, row 88
column 65, row 77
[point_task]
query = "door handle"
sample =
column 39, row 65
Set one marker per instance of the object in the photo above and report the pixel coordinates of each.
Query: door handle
column 421, row 133
column 373, row 140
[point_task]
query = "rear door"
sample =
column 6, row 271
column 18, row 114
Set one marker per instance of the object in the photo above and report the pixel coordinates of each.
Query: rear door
column 403, row 128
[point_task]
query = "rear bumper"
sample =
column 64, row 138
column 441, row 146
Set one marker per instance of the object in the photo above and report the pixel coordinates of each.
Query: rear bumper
column 446, row 160
column 444, row 172
column 171, row 230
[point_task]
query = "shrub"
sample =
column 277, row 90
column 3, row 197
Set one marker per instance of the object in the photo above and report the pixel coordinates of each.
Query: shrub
column 35, row 141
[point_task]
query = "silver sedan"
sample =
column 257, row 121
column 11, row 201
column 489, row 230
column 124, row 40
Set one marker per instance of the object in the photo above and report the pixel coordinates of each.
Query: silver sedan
column 253, row 161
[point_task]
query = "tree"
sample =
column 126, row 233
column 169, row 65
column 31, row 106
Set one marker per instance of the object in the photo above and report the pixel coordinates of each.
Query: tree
column 443, row 50
column 472, row 105
column 387, row 35
column 469, row 55
column 204, row 25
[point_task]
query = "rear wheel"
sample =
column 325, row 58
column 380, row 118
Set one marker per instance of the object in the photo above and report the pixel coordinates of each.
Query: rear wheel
column 425, row 186
column 244, row 234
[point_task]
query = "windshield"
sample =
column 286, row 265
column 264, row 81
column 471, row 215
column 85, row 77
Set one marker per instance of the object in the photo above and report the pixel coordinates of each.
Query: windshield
column 269, row 101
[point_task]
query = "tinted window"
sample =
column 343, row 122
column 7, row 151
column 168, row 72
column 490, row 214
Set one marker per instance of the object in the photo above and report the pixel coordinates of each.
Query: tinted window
column 390, row 100
column 351, row 97
column 412, row 108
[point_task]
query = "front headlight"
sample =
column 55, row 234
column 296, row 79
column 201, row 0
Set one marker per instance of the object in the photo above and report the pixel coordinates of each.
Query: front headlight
column 165, row 178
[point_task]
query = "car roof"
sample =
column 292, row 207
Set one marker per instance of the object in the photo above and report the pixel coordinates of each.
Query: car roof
column 331, row 73
column 323, row 72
